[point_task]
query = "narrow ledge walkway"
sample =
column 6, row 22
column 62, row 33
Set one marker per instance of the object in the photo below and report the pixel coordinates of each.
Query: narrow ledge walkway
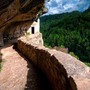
column 19, row 74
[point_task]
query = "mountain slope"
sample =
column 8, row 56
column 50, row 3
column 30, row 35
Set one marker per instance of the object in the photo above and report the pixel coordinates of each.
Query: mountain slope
column 71, row 30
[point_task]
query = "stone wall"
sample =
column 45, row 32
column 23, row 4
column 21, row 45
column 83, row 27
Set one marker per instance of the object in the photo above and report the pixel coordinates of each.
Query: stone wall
column 63, row 71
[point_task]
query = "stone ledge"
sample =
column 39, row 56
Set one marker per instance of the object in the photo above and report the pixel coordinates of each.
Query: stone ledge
column 63, row 71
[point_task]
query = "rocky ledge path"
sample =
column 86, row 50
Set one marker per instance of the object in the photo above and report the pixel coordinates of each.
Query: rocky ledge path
column 19, row 74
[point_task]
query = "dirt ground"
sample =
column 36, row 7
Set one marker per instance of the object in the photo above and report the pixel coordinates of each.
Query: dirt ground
column 18, row 73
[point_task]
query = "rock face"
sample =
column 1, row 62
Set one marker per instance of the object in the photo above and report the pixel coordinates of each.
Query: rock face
column 17, row 16
column 63, row 71
column 17, row 73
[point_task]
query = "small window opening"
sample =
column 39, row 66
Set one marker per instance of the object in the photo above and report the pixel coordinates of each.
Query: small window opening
column 36, row 20
column 33, row 30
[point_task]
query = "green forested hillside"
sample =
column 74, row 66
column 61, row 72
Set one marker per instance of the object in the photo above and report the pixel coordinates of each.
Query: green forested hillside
column 71, row 30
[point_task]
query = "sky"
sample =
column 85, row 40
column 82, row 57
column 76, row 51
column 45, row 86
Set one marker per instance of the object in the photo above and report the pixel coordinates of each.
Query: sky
column 62, row 6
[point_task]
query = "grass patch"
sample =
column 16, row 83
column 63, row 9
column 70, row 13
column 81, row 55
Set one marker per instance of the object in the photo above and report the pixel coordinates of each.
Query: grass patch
column 88, row 64
column 0, row 65
column 0, row 61
column 72, row 54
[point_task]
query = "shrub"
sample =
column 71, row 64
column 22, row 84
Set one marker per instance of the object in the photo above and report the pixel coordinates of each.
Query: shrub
column 0, row 65
column 0, row 61
column 88, row 64
column 72, row 54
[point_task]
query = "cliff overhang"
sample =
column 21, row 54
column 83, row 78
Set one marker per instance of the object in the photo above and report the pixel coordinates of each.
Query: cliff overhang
column 16, row 16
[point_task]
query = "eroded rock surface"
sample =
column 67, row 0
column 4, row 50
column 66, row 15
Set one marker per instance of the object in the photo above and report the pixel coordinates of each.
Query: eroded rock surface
column 18, row 73
column 63, row 71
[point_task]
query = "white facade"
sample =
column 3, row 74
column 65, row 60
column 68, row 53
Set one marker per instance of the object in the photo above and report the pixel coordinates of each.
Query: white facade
column 35, row 27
